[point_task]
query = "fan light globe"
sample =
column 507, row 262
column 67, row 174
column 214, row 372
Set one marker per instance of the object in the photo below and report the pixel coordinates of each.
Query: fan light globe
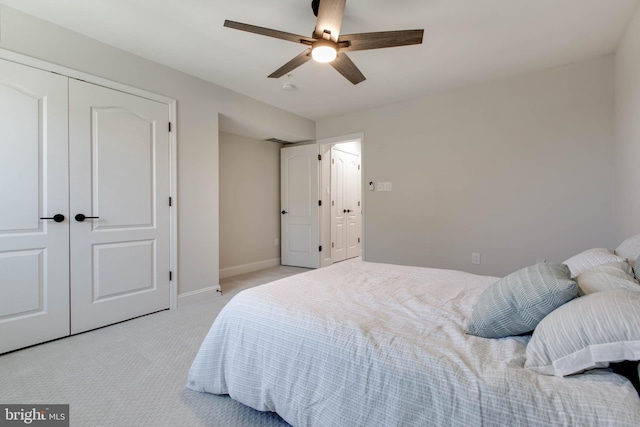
column 324, row 52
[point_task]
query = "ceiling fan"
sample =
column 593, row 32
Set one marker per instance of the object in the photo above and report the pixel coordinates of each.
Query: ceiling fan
column 328, row 45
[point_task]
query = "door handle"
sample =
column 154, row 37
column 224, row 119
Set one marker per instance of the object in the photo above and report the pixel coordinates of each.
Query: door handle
column 81, row 217
column 56, row 218
column 284, row 212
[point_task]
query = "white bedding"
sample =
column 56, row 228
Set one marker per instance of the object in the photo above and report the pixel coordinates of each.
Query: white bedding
column 364, row 344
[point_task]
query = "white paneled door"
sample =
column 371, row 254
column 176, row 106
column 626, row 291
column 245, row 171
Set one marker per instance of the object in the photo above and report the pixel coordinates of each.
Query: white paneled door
column 354, row 210
column 299, row 201
column 119, row 181
column 84, row 214
column 346, row 211
column 339, row 171
column 34, row 251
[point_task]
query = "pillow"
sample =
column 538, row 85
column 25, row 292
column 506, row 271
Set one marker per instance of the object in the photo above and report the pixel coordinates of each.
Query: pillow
column 605, row 277
column 516, row 303
column 588, row 332
column 591, row 258
column 636, row 268
column 630, row 249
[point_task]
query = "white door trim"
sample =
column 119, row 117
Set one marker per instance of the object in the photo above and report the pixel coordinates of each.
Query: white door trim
column 68, row 72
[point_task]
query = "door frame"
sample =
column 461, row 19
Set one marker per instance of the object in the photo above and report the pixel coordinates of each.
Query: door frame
column 173, row 178
column 324, row 146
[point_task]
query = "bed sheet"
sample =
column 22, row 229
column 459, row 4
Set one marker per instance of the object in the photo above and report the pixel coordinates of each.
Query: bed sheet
column 367, row 344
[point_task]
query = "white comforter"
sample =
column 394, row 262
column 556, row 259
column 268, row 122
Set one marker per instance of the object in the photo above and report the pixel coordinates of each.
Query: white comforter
column 364, row 344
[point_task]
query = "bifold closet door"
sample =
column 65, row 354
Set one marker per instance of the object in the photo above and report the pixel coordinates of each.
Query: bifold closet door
column 119, row 181
column 34, row 252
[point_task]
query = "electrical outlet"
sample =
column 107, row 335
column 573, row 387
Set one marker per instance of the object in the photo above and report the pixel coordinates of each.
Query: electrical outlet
column 475, row 258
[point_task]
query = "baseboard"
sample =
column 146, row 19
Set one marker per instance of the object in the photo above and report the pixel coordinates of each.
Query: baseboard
column 248, row 268
column 209, row 293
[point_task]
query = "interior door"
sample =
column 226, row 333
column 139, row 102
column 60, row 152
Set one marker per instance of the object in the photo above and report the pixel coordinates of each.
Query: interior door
column 299, row 189
column 119, row 179
column 338, row 205
column 354, row 211
column 34, row 252
column 346, row 211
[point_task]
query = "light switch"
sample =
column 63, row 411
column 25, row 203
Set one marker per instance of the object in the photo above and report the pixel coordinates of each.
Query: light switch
column 384, row 186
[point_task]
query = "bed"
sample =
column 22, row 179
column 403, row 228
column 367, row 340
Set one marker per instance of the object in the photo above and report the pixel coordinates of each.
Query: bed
column 368, row 344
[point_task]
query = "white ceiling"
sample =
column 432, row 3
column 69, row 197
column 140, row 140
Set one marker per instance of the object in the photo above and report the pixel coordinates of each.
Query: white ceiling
column 466, row 41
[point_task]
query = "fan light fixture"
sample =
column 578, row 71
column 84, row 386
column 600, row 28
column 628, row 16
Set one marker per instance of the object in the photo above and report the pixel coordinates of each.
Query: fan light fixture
column 327, row 41
column 324, row 51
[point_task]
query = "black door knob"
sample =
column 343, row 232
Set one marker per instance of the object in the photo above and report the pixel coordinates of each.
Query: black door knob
column 283, row 212
column 81, row 217
column 56, row 218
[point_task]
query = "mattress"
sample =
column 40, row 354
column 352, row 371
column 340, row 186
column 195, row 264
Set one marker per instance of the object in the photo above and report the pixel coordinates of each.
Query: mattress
column 367, row 344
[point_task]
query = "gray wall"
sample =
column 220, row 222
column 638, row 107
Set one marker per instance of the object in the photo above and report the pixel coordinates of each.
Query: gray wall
column 627, row 112
column 517, row 170
column 198, row 103
column 249, row 202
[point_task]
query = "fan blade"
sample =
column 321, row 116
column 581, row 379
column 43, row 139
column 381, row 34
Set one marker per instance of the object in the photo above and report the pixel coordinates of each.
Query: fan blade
column 330, row 13
column 365, row 41
column 268, row 32
column 347, row 68
column 292, row 65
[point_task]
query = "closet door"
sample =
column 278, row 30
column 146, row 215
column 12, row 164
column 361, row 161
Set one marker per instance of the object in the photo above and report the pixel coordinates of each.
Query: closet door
column 354, row 210
column 345, row 205
column 119, row 181
column 34, row 252
column 339, row 215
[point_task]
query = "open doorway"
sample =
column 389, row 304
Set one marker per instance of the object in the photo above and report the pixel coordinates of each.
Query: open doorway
column 341, row 214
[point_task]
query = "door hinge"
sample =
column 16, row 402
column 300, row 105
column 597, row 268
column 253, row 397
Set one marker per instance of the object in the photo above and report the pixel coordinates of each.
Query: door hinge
column 170, row 202
column 319, row 156
column 169, row 126
column 170, row 275
column 358, row 167
column 319, row 202
column 358, row 240
column 358, row 204
column 320, row 248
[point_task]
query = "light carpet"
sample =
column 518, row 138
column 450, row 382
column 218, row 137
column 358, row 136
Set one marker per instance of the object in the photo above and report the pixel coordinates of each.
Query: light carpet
column 134, row 373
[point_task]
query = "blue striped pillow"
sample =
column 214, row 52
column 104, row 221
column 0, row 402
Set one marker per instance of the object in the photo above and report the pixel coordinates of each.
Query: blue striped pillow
column 516, row 303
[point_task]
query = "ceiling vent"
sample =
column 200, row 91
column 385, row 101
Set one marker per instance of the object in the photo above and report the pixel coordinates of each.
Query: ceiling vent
column 279, row 141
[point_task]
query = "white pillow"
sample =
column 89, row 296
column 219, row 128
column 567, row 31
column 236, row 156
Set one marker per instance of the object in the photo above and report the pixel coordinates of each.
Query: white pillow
column 606, row 277
column 630, row 249
column 591, row 258
column 587, row 332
